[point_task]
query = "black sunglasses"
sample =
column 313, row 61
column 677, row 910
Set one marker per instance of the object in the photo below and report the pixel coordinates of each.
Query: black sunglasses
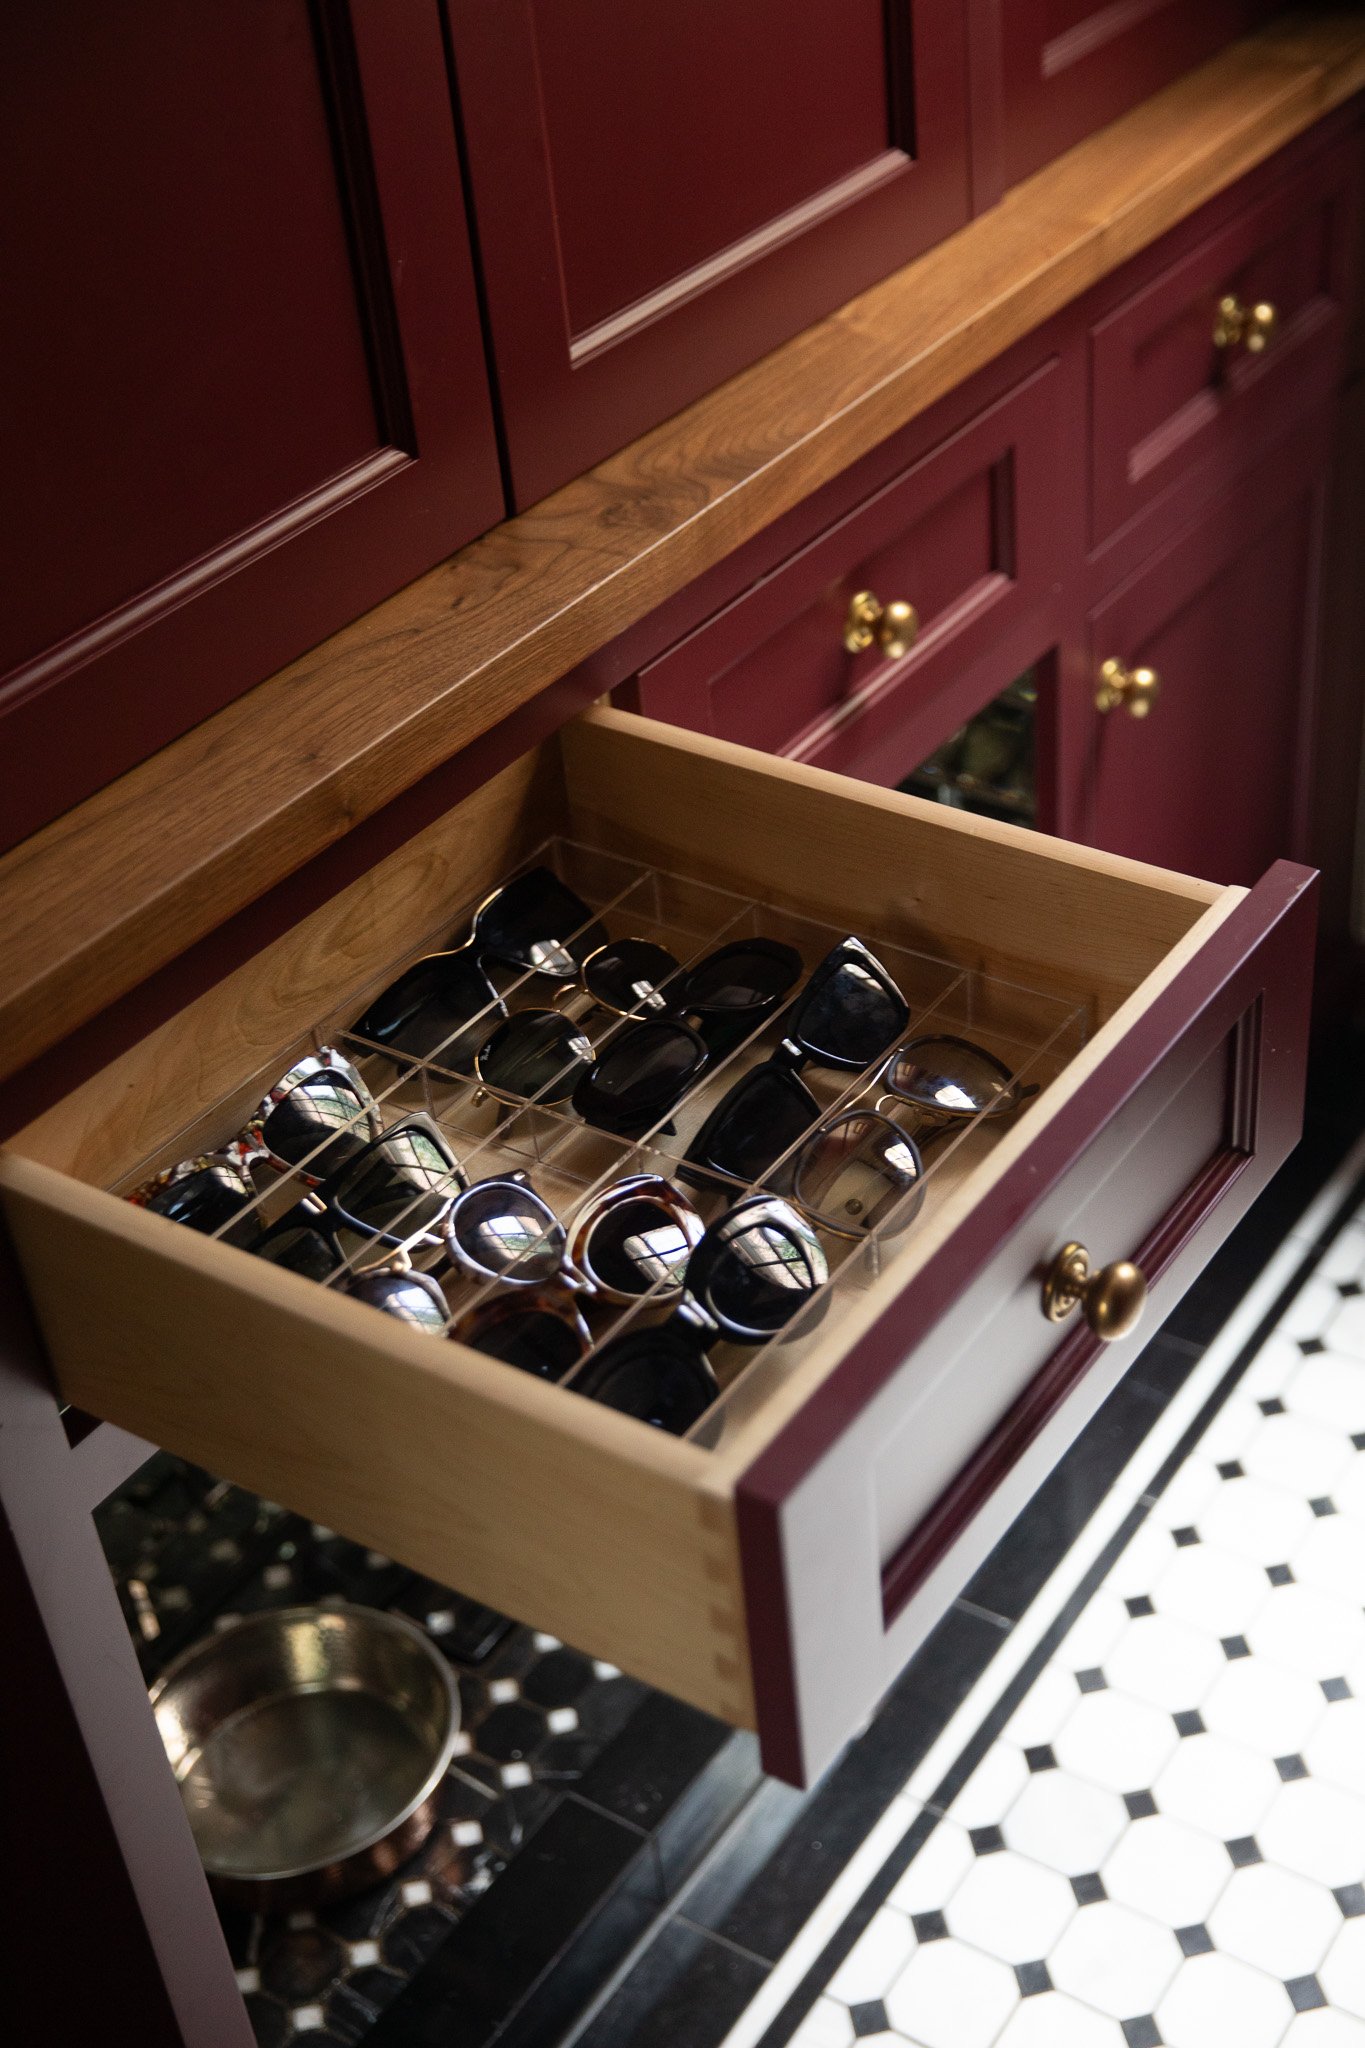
column 443, row 1003
column 753, row 1269
column 398, row 1188
column 847, row 1015
column 643, row 1070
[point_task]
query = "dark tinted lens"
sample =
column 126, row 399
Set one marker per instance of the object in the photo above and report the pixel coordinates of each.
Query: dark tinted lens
column 403, row 1295
column 855, row 1170
column 852, row 1010
column 655, row 1375
column 535, row 1340
column 950, row 1076
column 640, row 1074
column 628, row 974
column 302, row 1250
column 536, row 1052
column 204, row 1200
column 537, row 922
column 742, row 976
column 498, row 1225
column 635, row 1246
column 407, row 1179
column 765, row 1112
column 755, row 1268
column 445, row 1004
column 325, row 1102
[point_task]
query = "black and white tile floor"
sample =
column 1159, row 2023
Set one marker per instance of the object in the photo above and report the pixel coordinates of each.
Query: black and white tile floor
column 1164, row 1839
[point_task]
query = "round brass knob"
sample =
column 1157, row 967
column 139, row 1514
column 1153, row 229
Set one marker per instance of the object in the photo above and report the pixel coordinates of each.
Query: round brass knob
column 1111, row 1298
column 893, row 626
column 1137, row 689
column 1251, row 326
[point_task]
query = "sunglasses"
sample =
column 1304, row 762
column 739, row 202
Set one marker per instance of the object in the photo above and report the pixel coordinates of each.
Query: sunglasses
column 848, row 1014
column 535, row 924
column 753, row 1269
column 400, row 1290
column 407, row 1176
column 950, row 1080
column 645, row 1068
column 320, row 1107
column 635, row 1235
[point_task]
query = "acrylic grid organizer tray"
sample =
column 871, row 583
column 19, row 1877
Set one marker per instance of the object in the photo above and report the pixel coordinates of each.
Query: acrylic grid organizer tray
column 1032, row 1032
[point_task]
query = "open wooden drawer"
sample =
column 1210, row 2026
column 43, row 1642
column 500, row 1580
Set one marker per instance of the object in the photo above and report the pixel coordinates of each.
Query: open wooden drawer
column 779, row 1566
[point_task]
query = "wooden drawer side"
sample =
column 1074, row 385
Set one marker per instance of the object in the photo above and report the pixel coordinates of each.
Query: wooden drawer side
column 561, row 1512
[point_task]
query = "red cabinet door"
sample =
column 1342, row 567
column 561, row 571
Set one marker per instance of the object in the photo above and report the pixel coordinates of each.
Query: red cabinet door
column 1213, row 781
column 664, row 193
column 1069, row 66
column 243, row 391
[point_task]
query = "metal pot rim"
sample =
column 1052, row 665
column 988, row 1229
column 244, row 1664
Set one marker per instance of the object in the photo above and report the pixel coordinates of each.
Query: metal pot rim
column 206, row 1646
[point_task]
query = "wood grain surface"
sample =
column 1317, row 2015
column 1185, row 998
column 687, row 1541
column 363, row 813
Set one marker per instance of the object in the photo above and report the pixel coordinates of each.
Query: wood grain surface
column 101, row 898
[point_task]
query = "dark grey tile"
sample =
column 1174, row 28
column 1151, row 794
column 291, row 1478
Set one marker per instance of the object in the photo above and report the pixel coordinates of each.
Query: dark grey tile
column 685, row 1991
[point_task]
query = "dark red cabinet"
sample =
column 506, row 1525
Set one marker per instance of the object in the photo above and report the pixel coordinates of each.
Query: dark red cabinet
column 1213, row 781
column 1070, row 66
column 964, row 532
column 664, row 193
column 244, row 394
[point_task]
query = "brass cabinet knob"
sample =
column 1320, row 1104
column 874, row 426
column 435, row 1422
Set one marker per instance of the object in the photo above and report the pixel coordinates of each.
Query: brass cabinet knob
column 1251, row 326
column 1137, row 689
column 893, row 626
column 1111, row 1298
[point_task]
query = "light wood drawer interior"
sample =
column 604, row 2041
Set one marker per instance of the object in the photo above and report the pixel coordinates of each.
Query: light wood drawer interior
column 572, row 1517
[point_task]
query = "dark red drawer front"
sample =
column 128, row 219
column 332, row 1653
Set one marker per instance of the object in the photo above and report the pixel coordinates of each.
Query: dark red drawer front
column 1167, row 400
column 1072, row 65
column 963, row 534
column 870, row 1510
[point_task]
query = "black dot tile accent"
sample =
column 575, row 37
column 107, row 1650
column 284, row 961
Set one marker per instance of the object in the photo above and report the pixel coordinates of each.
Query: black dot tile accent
column 1140, row 1805
column 1183, row 1538
column 1351, row 1899
column 869, row 2018
column 1139, row 1604
column 1041, row 1758
column 1032, row 1978
column 1358, row 1439
column 1243, row 1850
column 1194, row 1941
column 1310, row 1346
column 1291, row 1767
column 1279, row 1575
column 1323, row 1505
column 1274, row 1406
column 929, row 1926
column 1232, row 1469
column 1348, row 1290
column 1335, row 1688
column 1305, row 1993
column 987, row 1840
column 1235, row 1646
column 1089, row 1888
column 1092, row 1680
column 1141, row 2032
column 1189, row 1721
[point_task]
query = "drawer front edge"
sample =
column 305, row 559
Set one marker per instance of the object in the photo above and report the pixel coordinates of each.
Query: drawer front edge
column 831, row 1619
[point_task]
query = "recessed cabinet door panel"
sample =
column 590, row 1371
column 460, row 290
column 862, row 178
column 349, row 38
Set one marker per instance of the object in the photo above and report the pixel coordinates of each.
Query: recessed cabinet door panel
column 1212, row 781
column 663, row 194
column 244, row 395
column 1072, row 65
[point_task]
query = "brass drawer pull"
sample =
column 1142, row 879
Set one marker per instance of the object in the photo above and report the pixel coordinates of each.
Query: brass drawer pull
column 1251, row 326
column 1136, row 689
column 893, row 626
column 1111, row 1298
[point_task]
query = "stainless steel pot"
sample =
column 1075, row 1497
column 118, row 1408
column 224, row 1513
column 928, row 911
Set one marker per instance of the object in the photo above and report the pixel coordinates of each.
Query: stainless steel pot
column 309, row 1745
